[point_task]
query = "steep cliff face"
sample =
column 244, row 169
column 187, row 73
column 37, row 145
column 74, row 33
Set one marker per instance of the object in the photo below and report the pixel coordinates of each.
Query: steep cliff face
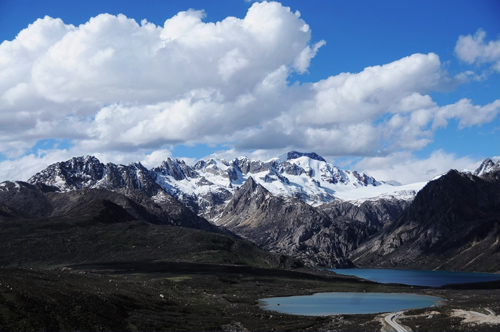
column 286, row 226
column 453, row 223
column 373, row 213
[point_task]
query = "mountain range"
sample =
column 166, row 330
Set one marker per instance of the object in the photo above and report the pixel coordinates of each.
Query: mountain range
column 296, row 205
column 210, row 183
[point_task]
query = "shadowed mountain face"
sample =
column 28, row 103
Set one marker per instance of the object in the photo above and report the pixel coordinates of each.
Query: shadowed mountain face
column 375, row 214
column 291, row 227
column 453, row 224
column 41, row 201
column 43, row 227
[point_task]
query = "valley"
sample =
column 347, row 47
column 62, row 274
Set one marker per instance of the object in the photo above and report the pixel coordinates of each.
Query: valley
column 90, row 246
column 132, row 296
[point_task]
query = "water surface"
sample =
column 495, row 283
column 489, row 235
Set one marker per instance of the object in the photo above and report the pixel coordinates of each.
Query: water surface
column 323, row 304
column 419, row 277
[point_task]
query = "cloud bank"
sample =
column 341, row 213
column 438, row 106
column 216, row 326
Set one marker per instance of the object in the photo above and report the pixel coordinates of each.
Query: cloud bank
column 120, row 89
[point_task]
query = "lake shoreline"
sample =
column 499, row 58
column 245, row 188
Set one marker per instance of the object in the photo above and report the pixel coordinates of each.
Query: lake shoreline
column 348, row 303
column 421, row 278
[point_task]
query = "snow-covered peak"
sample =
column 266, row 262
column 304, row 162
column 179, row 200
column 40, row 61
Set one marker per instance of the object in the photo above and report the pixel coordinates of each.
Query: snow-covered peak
column 76, row 173
column 89, row 172
column 306, row 176
column 211, row 182
column 487, row 166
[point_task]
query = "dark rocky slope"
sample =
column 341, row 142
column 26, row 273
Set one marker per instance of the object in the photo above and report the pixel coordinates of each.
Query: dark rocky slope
column 322, row 235
column 375, row 214
column 286, row 226
column 95, row 225
column 34, row 201
column 453, row 224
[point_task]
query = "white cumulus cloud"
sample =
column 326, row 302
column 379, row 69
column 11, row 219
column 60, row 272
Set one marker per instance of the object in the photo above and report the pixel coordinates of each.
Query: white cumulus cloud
column 405, row 168
column 116, row 87
column 474, row 49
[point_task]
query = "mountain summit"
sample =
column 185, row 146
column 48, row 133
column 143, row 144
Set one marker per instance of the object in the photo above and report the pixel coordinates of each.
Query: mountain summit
column 487, row 166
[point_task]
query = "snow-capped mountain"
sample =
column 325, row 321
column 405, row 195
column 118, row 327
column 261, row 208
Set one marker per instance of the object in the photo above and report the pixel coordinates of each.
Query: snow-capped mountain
column 89, row 172
column 306, row 176
column 210, row 183
column 487, row 166
column 297, row 204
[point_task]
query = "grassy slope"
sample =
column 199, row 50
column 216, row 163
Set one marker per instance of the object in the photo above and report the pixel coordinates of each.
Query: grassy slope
column 59, row 242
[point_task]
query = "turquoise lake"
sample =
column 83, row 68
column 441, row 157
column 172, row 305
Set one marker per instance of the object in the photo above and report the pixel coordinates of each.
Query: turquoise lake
column 323, row 304
column 419, row 277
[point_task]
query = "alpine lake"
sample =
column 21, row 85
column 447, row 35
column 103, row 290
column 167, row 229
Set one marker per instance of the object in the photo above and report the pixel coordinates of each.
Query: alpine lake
column 324, row 304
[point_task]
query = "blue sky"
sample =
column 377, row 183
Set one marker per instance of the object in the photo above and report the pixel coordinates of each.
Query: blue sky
column 401, row 89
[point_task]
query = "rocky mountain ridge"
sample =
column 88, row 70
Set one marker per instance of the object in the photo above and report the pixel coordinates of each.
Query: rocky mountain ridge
column 40, row 201
column 209, row 184
column 259, row 201
column 292, row 188
column 453, row 223
column 288, row 226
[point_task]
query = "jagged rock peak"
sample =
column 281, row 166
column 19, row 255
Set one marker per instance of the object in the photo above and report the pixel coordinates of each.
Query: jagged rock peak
column 89, row 172
column 71, row 173
column 137, row 164
column 312, row 155
column 79, row 161
column 176, row 168
column 250, row 183
column 75, row 161
column 487, row 166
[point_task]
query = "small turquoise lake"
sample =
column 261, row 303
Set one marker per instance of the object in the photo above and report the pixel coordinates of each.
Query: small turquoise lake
column 323, row 304
column 419, row 277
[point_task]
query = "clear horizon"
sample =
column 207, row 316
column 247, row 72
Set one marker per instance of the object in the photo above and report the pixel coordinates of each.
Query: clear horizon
column 401, row 90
